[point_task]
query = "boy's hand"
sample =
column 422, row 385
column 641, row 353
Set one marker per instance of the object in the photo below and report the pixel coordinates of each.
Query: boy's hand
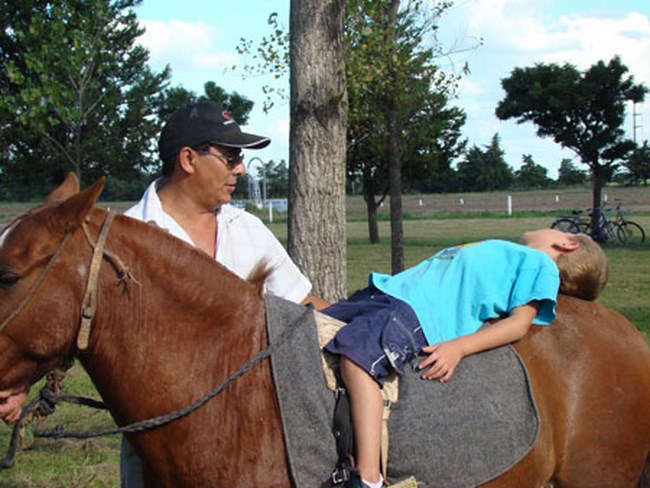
column 445, row 356
column 443, row 359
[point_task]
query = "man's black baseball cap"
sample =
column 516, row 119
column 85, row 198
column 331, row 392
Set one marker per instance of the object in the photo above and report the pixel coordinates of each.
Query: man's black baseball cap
column 204, row 123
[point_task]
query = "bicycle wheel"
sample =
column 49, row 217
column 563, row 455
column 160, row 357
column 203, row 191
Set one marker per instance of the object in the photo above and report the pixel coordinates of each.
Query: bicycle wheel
column 610, row 233
column 630, row 233
column 566, row 224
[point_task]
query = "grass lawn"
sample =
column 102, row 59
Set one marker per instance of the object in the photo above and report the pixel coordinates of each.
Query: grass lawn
column 94, row 463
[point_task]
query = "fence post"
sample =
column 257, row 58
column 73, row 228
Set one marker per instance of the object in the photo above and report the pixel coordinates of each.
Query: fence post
column 509, row 205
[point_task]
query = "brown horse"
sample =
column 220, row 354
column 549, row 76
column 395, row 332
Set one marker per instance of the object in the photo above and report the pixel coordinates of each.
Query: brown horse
column 187, row 324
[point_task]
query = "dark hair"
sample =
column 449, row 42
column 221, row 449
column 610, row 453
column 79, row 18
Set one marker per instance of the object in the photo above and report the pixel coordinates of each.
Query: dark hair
column 169, row 163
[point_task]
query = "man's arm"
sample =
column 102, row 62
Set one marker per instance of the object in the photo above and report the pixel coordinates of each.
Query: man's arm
column 445, row 356
column 317, row 302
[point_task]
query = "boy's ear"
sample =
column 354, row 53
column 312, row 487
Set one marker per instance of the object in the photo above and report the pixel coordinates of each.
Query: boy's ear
column 566, row 245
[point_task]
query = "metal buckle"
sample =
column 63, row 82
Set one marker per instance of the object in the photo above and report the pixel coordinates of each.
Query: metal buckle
column 340, row 475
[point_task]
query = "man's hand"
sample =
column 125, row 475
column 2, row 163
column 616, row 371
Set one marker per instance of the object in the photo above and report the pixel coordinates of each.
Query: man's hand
column 11, row 403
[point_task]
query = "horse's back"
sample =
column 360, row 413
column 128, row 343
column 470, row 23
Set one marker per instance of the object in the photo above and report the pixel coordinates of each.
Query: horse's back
column 590, row 372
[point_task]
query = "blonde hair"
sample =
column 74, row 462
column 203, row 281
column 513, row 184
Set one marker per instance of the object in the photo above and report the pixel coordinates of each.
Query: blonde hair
column 583, row 272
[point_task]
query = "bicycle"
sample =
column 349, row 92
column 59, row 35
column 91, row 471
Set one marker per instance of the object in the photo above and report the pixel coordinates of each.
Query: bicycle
column 575, row 224
column 628, row 231
column 604, row 230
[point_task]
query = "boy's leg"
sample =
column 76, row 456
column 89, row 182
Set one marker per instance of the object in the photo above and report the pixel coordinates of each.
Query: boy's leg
column 366, row 404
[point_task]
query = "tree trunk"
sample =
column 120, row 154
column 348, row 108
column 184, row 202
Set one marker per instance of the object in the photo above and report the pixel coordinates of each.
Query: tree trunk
column 598, row 175
column 599, row 181
column 369, row 192
column 393, row 155
column 373, row 227
column 395, row 192
column 316, row 233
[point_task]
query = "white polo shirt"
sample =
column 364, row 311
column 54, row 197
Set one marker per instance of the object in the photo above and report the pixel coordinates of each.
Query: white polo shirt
column 242, row 242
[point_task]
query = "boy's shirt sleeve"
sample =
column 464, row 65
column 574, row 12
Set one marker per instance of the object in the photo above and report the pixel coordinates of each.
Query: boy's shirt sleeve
column 538, row 283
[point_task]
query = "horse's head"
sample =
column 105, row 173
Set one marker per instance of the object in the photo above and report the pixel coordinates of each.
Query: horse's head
column 36, row 277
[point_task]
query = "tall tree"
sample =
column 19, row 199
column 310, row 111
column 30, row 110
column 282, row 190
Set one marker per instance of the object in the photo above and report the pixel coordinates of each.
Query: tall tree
column 75, row 90
column 580, row 111
column 369, row 25
column 316, row 234
column 638, row 164
column 399, row 123
column 276, row 176
column 531, row 174
column 485, row 170
column 568, row 174
column 176, row 97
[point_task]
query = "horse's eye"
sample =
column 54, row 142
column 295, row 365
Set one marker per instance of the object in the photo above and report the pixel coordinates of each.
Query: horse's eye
column 8, row 278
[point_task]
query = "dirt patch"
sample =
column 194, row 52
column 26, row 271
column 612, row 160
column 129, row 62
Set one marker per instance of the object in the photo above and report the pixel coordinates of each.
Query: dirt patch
column 633, row 199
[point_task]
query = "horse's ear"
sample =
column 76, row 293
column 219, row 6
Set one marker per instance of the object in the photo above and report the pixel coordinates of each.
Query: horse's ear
column 69, row 187
column 72, row 212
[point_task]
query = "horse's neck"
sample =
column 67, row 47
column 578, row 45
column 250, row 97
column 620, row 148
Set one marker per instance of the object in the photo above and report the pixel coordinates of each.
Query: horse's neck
column 183, row 323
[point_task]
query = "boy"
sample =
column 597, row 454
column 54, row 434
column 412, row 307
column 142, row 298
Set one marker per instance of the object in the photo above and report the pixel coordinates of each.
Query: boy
column 438, row 308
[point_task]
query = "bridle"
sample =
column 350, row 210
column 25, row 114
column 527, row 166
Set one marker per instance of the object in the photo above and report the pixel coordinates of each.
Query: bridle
column 89, row 302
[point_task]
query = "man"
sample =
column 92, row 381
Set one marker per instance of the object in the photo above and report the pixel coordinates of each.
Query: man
column 200, row 147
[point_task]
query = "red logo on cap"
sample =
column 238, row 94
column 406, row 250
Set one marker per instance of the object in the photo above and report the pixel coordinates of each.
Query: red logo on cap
column 227, row 118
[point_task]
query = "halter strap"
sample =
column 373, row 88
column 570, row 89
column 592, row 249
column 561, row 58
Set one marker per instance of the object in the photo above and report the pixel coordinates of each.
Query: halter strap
column 89, row 303
column 36, row 284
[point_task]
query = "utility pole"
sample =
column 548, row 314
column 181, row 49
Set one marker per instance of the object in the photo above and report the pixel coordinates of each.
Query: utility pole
column 635, row 126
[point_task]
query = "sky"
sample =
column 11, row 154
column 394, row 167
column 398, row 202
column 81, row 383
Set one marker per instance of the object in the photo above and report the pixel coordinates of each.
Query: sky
column 198, row 39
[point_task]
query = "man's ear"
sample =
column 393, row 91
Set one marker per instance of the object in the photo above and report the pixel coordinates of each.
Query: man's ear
column 187, row 159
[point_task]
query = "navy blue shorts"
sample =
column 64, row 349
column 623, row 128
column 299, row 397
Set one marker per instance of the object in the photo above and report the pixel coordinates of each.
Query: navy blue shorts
column 382, row 334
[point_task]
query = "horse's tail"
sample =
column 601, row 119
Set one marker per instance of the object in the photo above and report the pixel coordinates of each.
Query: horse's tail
column 258, row 275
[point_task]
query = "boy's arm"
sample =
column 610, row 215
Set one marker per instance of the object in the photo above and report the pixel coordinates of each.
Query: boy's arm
column 445, row 356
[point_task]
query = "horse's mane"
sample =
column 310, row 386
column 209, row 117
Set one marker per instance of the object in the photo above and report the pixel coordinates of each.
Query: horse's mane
column 259, row 274
column 176, row 249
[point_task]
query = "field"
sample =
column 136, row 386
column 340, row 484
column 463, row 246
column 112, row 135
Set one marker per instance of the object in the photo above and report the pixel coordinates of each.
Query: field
column 438, row 221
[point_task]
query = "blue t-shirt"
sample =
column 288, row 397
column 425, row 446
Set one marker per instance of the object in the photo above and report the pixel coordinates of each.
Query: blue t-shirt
column 455, row 291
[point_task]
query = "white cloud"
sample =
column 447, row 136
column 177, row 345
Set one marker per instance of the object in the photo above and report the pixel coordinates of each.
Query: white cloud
column 520, row 33
column 185, row 45
column 603, row 38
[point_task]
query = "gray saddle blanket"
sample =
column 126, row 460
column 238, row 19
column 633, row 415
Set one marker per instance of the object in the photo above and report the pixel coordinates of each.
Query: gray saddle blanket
column 458, row 434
